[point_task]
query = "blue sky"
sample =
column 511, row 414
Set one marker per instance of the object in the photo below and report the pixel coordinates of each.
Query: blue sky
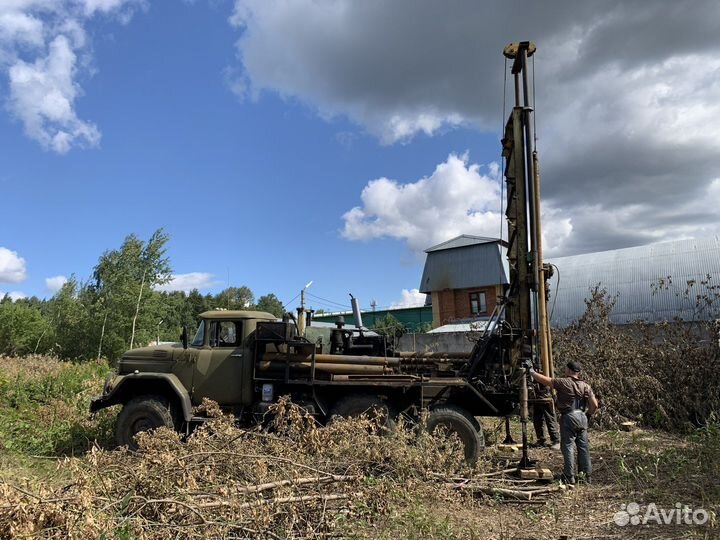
column 249, row 129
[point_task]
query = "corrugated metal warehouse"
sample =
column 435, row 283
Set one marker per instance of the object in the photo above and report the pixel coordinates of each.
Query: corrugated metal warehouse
column 653, row 283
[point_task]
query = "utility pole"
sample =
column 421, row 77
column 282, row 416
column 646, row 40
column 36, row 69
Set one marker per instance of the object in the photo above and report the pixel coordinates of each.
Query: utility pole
column 301, row 310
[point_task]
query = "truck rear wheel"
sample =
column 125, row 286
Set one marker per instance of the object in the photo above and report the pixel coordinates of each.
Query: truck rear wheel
column 374, row 407
column 142, row 413
column 456, row 420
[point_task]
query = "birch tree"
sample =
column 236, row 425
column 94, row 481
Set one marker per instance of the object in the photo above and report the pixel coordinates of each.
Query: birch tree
column 125, row 281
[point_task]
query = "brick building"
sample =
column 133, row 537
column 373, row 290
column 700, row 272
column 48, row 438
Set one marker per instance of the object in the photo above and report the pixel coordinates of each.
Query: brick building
column 464, row 277
column 668, row 281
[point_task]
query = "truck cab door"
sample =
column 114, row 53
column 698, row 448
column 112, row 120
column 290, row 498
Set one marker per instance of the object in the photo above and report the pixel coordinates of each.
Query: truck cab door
column 219, row 367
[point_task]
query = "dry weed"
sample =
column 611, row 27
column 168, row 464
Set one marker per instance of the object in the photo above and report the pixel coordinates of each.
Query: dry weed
column 291, row 480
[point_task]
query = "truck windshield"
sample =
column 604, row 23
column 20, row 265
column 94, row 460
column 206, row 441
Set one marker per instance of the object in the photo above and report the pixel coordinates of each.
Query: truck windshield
column 199, row 338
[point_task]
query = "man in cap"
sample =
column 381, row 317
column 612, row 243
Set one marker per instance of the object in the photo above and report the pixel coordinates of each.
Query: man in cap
column 576, row 403
column 544, row 416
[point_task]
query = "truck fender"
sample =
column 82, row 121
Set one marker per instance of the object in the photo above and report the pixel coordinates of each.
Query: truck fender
column 145, row 383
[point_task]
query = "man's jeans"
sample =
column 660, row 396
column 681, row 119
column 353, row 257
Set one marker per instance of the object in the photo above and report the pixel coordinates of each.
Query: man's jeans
column 573, row 432
column 543, row 414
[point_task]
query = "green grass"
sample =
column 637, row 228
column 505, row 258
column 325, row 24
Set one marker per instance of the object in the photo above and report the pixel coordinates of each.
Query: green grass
column 44, row 406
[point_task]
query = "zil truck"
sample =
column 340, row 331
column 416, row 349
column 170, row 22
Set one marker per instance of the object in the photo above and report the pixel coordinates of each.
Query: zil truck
column 246, row 360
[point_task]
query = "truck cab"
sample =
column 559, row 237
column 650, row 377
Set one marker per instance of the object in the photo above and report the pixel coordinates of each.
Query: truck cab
column 163, row 383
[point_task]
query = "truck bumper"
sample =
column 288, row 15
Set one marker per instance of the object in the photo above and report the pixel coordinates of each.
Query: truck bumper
column 98, row 403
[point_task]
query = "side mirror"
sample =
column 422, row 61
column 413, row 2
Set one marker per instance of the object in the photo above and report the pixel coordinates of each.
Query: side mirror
column 184, row 337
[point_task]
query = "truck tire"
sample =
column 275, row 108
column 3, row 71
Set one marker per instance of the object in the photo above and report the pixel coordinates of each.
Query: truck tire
column 142, row 413
column 353, row 406
column 456, row 420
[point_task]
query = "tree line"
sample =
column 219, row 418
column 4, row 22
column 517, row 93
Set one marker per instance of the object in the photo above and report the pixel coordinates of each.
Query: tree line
column 119, row 307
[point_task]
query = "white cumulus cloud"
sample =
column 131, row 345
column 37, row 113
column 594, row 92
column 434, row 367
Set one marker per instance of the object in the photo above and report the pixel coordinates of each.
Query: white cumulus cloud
column 55, row 283
column 624, row 114
column 188, row 282
column 42, row 95
column 44, row 50
column 409, row 298
column 12, row 266
column 457, row 198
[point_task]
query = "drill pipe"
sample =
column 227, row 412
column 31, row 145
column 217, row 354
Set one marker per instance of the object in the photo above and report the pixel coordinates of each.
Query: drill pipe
column 348, row 369
column 334, row 359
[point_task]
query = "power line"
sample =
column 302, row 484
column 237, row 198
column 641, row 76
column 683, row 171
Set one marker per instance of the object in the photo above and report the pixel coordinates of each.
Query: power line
column 326, row 306
column 292, row 300
column 328, row 301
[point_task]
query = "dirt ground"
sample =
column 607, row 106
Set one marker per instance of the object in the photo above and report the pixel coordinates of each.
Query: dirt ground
column 641, row 467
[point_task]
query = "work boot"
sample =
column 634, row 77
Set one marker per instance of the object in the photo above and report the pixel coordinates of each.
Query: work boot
column 555, row 445
column 540, row 443
column 564, row 479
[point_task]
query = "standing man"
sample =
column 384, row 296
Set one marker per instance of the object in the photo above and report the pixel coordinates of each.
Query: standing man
column 576, row 402
column 544, row 416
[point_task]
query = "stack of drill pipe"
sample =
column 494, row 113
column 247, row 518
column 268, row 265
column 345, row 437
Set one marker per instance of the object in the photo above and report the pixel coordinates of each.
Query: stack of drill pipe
column 329, row 363
column 350, row 364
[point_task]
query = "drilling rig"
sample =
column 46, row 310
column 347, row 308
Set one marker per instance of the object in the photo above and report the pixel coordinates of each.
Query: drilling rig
column 244, row 360
column 526, row 299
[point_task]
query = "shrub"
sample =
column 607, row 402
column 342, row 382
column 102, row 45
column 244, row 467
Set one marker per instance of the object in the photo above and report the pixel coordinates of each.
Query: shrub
column 44, row 405
column 664, row 375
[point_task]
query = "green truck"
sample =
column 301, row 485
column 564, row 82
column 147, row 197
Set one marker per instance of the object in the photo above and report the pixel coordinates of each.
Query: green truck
column 245, row 360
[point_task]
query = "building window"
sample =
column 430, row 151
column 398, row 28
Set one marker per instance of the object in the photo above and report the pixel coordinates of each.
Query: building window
column 477, row 303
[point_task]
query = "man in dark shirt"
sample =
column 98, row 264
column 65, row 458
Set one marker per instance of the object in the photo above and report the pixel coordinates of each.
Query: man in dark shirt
column 576, row 403
column 544, row 415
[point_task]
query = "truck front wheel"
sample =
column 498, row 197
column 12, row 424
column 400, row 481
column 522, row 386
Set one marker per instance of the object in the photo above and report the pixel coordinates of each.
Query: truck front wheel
column 142, row 413
column 456, row 420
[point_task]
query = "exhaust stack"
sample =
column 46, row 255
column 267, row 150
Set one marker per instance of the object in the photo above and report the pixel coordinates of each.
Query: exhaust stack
column 356, row 312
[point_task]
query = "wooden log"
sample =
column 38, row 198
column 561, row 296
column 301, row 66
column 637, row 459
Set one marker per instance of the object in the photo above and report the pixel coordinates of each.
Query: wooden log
column 536, row 474
column 277, row 500
column 510, row 447
column 295, row 482
column 521, row 494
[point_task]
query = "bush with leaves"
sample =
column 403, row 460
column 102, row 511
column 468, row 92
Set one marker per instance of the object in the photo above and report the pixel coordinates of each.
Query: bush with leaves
column 663, row 375
column 44, row 405
column 389, row 326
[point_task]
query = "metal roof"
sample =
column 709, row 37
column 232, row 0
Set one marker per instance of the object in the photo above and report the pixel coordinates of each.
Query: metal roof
column 464, row 266
column 653, row 283
column 474, row 326
column 462, row 241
